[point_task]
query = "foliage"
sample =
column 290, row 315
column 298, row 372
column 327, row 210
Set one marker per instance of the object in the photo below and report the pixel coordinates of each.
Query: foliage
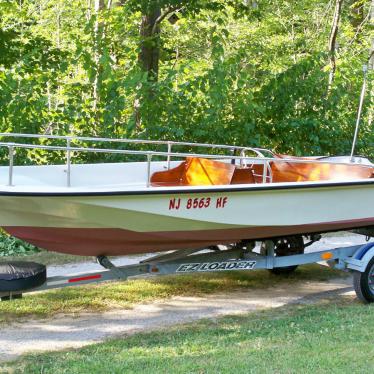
column 248, row 73
column 10, row 246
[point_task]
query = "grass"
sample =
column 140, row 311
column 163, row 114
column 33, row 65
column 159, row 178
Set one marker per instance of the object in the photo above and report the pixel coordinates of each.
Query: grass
column 53, row 258
column 47, row 258
column 335, row 336
column 111, row 295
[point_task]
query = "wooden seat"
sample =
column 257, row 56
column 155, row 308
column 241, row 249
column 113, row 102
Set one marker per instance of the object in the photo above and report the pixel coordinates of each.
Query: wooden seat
column 195, row 172
column 297, row 172
column 200, row 172
column 172, row 177
column 243, row 176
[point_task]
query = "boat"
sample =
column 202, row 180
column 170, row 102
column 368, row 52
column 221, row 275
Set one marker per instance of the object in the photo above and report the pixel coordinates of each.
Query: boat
column 174, row 199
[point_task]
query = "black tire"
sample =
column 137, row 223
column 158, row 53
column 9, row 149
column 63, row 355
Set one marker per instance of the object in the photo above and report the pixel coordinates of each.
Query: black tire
column 284, row 270
column 287, row 246
column 21, row 276
column 361, row 283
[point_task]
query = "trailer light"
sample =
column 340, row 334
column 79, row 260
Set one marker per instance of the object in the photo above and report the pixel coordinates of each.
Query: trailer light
column 327, row 256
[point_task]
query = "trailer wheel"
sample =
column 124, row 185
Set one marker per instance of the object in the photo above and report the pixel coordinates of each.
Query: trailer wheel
column 364, row 283
column 290, row 245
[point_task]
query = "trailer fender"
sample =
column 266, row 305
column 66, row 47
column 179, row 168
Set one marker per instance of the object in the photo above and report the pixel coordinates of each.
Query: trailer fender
column 361, row 258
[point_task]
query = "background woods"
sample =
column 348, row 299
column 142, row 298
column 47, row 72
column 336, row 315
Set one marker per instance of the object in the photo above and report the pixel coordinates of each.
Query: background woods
column 278, row 74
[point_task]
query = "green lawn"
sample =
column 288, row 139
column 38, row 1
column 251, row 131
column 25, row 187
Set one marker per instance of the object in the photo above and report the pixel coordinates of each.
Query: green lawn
column 111, row 295
column 335, row 336
column 48, row 258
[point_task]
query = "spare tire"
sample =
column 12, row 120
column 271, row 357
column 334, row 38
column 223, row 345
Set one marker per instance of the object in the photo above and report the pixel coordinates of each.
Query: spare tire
column 21, row 275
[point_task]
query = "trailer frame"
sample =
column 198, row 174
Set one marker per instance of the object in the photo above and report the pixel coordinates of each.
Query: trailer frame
column 353, row 258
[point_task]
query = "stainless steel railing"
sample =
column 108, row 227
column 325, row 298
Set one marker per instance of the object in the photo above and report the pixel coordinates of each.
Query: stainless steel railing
column 169, row 154
column 243, row 158
column 168, row 143
column 148, row 154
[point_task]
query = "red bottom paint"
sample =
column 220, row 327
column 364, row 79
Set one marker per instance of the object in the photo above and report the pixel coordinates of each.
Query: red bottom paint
column 116, row 242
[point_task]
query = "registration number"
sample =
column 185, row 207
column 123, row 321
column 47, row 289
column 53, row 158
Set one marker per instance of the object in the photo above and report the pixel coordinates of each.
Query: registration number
column 198, row 203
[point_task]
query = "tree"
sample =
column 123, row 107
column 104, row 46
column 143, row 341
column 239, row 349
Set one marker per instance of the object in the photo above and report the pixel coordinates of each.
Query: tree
column 332, row 40
column 243, row 72
column 154, row 13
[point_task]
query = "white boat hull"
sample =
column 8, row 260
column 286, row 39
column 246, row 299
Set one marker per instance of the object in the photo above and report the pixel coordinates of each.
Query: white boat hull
column 154, row 219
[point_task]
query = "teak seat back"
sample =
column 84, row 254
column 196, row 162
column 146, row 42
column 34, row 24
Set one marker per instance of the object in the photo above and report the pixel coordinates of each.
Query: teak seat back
column 298, row 172
column 201, row 172
column 243, row 176
column 195, row 172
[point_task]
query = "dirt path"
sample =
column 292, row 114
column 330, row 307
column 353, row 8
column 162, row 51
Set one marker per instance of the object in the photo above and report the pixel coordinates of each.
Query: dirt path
column 63, row 332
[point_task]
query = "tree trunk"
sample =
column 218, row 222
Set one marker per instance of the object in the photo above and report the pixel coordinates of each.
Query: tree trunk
column 149, row 55
column 371, row 65
column 58, row 26
column 98, row 34
column 88, row 13
column 371, row 21
column 332, row 41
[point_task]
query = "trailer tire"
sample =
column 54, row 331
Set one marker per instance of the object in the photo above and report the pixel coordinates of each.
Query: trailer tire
column 286, row 246
column 283, row 271
column 361, row 283
column 17, row 276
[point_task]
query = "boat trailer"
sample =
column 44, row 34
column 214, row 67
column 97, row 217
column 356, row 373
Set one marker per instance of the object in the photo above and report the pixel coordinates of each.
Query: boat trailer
column 25, row 277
